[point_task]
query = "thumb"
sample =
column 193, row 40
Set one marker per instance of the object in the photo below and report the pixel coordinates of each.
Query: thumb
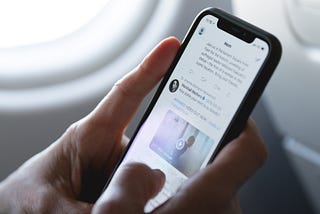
column 130, row 189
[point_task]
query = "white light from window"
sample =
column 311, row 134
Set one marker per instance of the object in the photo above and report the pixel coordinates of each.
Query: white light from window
column 88, row 49
column 37, row 21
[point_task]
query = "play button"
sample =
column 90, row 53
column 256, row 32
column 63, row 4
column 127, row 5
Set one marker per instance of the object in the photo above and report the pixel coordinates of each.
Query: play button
column 180, row 144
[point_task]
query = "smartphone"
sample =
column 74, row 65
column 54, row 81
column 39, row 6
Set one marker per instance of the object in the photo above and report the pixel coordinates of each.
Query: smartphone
column 205, row 98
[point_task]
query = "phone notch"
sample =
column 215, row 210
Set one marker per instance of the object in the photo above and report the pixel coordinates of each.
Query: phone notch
column 236, row 31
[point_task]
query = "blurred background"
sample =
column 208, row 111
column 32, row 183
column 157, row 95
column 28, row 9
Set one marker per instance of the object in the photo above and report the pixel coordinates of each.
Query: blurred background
column 59, row 58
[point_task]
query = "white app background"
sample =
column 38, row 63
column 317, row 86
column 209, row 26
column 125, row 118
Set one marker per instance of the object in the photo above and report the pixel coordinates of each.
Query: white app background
column 196, row 105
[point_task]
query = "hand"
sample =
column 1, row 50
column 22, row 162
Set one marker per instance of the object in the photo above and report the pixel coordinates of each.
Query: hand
column 69, row 175
column 213, row 190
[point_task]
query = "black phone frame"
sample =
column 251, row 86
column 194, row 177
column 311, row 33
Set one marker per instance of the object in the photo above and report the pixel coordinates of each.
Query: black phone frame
column 244, row 31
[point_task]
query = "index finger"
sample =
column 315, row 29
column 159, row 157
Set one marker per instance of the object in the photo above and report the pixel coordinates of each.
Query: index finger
column 118, row 107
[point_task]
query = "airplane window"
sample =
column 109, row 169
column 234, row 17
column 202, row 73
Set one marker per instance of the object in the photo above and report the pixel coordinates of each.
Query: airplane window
column 36, row 21
column 81, row 60
column 48, row 42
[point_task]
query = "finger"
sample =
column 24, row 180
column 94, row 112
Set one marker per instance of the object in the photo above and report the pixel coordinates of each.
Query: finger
column 70, row 206
column 241, row 158
column 215, row 186
column 124, row 141
column 130, row 189
column 121, row 103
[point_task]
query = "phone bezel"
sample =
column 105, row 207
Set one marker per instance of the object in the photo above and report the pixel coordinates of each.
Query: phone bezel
column 253, row 94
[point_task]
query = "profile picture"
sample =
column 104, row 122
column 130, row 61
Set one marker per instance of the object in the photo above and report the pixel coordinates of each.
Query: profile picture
column 174, row 85
column 181, row 144
column 201, row 30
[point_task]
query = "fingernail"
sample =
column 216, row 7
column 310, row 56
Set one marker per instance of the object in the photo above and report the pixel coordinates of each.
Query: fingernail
column 160, row 175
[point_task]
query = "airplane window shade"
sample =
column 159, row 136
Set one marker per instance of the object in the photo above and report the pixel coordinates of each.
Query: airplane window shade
column 78, row 53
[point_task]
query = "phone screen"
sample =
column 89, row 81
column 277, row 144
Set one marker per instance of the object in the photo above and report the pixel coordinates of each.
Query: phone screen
column 196, row 105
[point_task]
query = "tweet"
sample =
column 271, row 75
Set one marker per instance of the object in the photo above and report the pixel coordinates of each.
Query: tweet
column 197, row 104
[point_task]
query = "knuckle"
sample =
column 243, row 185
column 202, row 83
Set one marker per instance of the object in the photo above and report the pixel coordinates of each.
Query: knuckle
column 261, row 152
column 136, row 168
column 122, row 88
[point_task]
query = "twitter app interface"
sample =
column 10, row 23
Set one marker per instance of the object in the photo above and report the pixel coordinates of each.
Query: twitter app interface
column 197, row 104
